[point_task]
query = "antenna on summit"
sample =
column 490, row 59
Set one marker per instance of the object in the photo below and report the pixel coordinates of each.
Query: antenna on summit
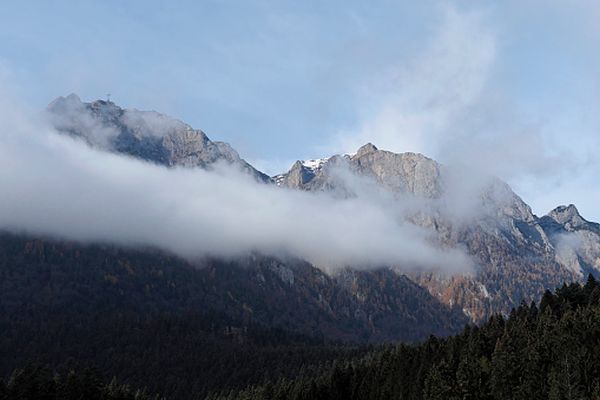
column 108, row 97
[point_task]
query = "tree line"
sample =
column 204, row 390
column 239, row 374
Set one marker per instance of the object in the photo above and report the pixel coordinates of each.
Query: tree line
column 38, row 382
column 546, row 351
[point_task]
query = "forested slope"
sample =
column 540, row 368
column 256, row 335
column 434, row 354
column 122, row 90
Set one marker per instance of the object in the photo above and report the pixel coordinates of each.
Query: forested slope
column 36, row 382
column 550, row 351
column 147, row 318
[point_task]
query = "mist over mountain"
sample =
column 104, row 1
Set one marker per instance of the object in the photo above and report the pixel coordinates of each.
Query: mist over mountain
column 516, row 254
column 92, row 195
column 148, row 135
column 464, row 235
column 135, row 207
column 299, row 200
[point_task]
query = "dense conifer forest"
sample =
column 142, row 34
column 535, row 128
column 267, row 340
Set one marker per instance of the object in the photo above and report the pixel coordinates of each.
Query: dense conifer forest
column 151, row 330
column 142, row 318
column 41, row 383
column 546, row 351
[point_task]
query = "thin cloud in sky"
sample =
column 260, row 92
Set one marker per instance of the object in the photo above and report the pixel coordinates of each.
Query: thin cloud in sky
column 448, row 103
column 410, row 106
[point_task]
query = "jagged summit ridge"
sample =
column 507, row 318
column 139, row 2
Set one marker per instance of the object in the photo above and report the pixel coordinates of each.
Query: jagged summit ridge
column 147, row 135
column 407, row 172
column 518, row 255
column 568, row 215
column 365, row 149
column 301, row 172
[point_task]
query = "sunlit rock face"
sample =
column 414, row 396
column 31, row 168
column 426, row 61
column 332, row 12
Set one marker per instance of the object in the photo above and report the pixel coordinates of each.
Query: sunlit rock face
column 517, row 255
column 576, row 239
column 148, row 135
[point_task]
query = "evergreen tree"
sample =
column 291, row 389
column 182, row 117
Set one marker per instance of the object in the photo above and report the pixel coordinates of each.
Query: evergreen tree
column 548, row 301
column 590, row 285
column 436, row 384
column 550, row 352
column 3, row 391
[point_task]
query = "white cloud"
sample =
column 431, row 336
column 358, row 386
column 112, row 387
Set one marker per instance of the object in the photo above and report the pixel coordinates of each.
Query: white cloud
column 55, row 185
column 450, row 102
column 414, row 103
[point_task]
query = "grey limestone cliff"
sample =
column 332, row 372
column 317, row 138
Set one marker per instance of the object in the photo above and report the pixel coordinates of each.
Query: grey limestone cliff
column 147, row 135
column 517, row 255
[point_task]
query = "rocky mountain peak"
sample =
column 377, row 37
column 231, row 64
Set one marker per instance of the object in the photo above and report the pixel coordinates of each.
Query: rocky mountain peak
column 400, row 172
column 106, row 107
column 299, row 175
column 365, row 149
column 148, row 135
column 71, row 99
column 517, row 254
column 568, row 216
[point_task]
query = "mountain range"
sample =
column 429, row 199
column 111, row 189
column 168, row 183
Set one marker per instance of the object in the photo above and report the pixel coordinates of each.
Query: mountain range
column 517, row 255
column 105, row 304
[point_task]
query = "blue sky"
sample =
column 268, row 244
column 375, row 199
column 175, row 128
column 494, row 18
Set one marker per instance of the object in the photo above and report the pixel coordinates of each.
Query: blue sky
column 511, row 86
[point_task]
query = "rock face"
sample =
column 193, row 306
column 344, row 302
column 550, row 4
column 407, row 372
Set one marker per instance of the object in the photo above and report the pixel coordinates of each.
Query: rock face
column 401, row 173
column 577, row 240
column 406, row 172
column 517, row 255
column 148, row 135
column 570, row 219
column 289, row 294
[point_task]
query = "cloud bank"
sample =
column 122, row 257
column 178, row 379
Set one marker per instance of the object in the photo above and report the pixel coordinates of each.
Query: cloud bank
column 55, row 185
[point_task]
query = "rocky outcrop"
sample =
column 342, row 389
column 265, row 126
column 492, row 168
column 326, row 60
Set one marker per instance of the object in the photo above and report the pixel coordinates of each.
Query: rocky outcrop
column 407, row 172
column 147, row 135
column 517, row 255
column 298, row 176
column 569, row 218
column 577, row 240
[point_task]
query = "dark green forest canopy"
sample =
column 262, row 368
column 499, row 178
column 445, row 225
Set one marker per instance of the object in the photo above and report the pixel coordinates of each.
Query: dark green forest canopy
column 146, row 319
column 143, row 317
column 550, row 351
column 36, row 382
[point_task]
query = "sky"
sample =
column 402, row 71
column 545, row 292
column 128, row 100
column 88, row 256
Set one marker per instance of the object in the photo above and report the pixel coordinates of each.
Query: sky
column 511, row 87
